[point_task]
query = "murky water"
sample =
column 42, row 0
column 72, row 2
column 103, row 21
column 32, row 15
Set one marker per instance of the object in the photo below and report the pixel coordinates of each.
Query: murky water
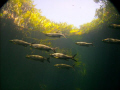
column 97, row 68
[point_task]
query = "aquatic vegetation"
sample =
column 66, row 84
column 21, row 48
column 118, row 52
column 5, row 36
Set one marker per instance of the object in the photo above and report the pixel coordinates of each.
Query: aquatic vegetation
column 42, row 41
column 78, row 63
column 32, row 51
column 46, row 41
column 25, row 15
column 43, row 87
column 83, row 69
column 65, row 51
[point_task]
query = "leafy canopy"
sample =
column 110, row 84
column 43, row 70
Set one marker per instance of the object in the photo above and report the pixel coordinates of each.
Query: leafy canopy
column 25, row 15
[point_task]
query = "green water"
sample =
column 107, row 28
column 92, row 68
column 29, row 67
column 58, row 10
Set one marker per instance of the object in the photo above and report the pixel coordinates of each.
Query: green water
column 97, row 67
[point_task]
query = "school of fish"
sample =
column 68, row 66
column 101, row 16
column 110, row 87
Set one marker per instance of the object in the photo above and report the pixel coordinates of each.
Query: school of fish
column 56, row 54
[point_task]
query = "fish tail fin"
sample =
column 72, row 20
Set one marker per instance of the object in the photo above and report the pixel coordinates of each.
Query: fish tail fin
column 73, row 67
column 74, row 57
column 31, row 44
column 64, row 35
column 92, row 44
column 48, row 59
column 54, row 49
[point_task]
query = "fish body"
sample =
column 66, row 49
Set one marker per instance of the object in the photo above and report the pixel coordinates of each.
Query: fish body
column 55, row 35
column 111, row 40
column 42, row 47
column 84, row 44
column 20, row 42
column 37, row 58
column 64, row 66
column 115, row 25
column 63, row 56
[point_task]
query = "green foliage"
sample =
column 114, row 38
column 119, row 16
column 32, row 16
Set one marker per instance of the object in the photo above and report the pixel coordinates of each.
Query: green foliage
column 66, row 51
column 106, row 14
column 25, row 15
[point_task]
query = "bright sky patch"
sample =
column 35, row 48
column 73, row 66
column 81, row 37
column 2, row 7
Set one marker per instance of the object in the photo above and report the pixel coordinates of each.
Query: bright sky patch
column 76, row 12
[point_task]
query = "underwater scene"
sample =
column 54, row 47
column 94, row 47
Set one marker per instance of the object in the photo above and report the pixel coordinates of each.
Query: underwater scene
column 59, row 45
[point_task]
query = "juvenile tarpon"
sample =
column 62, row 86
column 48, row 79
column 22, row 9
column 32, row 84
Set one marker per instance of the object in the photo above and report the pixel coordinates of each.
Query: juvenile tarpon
column 63, row 56
column 84, row 44
column 37, row 58
column 64, row 66
column 55, row 35
column 20, row 42
column 115, row 25
column 43, row 47
column 111, row 40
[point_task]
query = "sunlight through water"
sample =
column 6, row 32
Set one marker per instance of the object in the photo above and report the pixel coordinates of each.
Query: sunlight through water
column 76, row 12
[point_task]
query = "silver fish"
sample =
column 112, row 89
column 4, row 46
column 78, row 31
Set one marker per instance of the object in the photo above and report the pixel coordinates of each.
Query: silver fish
column 111, row 40
column 115, row 25
column 20, row 42
column 84, row 44
column 63, row 56
column 37, row 58
column 43, row 47
column 55, row 35
column 64, row 66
